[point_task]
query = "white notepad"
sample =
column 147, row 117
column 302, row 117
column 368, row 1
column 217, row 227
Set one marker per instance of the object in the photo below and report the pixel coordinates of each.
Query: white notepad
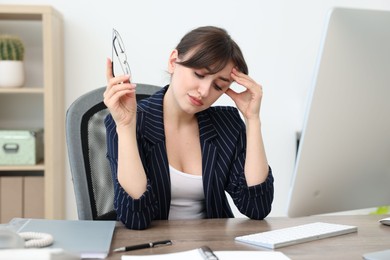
column 89, row 239
column 222, row 255
column 378, row 255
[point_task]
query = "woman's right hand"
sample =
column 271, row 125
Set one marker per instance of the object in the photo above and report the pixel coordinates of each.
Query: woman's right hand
column 120, row 98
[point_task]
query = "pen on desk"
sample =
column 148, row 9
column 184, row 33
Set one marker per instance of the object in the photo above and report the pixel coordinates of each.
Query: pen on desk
column 207, row 253
column 141, row 246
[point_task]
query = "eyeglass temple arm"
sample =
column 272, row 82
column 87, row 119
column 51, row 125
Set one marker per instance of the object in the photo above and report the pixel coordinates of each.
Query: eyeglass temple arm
column 116, row 53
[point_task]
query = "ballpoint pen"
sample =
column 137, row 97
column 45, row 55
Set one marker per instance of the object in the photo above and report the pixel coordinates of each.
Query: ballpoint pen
column 207, row 253
column 141, row 246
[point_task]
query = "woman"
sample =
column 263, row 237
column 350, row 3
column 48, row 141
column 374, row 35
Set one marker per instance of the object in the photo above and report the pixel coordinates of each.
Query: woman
column 172, row 155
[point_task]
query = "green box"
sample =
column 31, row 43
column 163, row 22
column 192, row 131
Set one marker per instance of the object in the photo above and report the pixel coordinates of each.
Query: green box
column 21, row 147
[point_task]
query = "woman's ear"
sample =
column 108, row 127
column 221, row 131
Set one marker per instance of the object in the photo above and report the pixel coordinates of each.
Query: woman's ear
column 172, row 61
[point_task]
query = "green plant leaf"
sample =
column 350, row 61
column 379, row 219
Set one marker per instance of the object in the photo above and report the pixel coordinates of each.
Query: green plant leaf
column 381, row 210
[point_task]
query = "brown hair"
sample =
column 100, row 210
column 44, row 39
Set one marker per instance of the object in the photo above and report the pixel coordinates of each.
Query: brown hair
column 213, row 49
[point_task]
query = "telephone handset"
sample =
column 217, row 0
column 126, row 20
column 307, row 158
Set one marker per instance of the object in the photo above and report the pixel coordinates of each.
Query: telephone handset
column 11, row 239
column 24, row 245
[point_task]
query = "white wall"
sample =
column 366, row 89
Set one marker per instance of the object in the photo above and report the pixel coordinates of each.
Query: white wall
column 280, row 40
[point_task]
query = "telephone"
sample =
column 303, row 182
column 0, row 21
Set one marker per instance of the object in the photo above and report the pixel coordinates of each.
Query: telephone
column 11, row 239
column 24, row 245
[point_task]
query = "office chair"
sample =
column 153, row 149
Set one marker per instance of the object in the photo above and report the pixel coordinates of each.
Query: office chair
column 86, row 142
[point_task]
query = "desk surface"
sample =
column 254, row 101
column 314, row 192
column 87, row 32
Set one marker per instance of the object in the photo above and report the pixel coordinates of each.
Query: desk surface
column 219, row 234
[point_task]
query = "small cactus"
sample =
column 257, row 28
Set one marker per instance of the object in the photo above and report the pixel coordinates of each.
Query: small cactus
column 11, row 48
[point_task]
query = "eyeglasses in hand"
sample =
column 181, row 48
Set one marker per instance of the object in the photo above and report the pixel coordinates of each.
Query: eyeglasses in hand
column 118, row 48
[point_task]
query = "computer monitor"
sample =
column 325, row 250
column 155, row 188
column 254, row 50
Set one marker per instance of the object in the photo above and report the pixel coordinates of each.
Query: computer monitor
column 343, row 159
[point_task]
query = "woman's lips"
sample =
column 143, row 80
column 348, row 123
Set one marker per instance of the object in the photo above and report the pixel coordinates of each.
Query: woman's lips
column 195, row 101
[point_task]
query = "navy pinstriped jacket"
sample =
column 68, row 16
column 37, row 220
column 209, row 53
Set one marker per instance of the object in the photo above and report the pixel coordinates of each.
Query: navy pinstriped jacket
column 223, row 146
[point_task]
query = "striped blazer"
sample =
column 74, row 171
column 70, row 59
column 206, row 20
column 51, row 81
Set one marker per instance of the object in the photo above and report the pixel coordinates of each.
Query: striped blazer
column 223, row 146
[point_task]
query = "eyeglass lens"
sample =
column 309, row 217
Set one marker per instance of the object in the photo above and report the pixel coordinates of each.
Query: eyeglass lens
column 119, row 51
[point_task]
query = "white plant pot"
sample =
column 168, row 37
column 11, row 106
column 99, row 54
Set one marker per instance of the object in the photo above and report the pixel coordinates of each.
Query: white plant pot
column 11, row 73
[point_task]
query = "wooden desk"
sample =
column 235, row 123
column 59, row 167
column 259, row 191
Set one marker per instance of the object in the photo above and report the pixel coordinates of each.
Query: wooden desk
column 219, row 234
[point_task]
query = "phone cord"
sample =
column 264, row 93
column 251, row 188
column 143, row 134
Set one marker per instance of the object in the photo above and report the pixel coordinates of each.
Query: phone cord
column 36, row 239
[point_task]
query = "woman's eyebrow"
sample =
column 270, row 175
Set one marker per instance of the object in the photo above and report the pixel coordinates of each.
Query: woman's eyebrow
column 220, row 77
column 224, row 79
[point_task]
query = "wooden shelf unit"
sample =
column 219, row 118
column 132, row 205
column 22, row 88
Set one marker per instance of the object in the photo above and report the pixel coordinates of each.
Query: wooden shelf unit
column 44, row 91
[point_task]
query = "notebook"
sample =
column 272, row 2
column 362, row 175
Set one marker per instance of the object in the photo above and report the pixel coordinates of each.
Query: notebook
column 378, row 255
column 89, row 239
column 222, row 255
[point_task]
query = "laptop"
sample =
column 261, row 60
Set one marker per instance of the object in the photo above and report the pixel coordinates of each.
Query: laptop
column 87, row 238
column 378, row 255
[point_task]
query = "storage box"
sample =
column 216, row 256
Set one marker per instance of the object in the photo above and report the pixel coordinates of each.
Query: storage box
column 21, row 147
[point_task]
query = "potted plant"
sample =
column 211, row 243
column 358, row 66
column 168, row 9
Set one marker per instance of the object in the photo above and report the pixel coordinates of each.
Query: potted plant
column 11, row 61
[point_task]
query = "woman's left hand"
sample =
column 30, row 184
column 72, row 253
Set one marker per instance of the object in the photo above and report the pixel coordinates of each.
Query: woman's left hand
column 248, row 101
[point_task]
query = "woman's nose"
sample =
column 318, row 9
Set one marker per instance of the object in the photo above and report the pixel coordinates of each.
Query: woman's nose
column 204, row 89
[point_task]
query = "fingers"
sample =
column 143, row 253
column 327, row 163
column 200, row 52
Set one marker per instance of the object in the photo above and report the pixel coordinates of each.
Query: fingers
column 118, row 90
column 117, row 87
column 245, row 81
column 123, row 79
column 109, row 74
column 231, row 93
column 113, row 97
column 111, row 80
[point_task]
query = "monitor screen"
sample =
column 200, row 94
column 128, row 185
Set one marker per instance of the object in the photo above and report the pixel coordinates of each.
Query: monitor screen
column 343, row 159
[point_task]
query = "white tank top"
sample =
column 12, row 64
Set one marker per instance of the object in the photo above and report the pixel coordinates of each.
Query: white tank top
column 187, row 196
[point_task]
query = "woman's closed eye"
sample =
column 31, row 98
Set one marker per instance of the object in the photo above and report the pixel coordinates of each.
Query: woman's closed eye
column 198, row 75
column 217, row 87
column 201, row 76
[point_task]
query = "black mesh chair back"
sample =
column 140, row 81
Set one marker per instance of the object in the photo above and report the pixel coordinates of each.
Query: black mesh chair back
column 86, row 143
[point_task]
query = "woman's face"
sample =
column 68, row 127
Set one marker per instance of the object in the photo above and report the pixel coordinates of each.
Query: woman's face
column 195, row 89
